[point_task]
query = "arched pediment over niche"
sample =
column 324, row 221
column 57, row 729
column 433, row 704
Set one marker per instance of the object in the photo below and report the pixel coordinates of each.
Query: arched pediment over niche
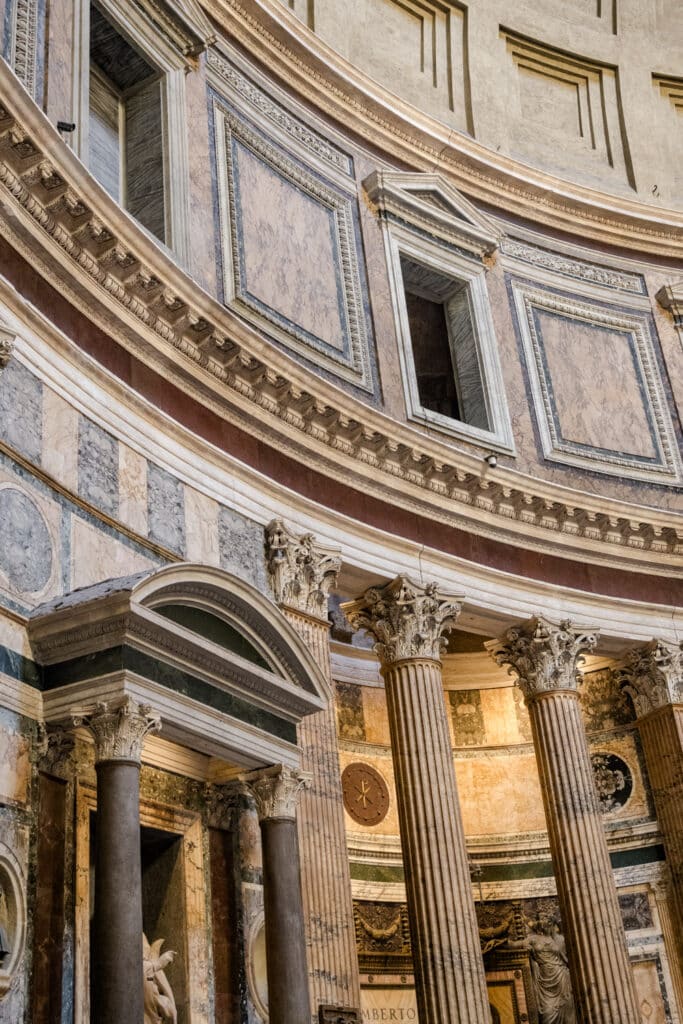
column 228, row 673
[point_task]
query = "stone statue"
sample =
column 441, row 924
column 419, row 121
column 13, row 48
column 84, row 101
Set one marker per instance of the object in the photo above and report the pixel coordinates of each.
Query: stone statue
column 550, row 970
column 159, row 1001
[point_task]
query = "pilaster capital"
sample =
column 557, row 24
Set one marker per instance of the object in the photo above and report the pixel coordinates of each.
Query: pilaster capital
column 276, row 790
column 55, row 748
column 407, row 619
column 302, row 572
column 6, row 347
column 545, row 656
column 119, row 728
column 652, row 676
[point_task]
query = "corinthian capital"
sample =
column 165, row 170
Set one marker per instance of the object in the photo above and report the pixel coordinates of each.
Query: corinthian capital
column 119, row 728
column 6, row 347
column 276, row 790
column 544, row 656
column 653, row 676
column 406, row 619
column 302, row 572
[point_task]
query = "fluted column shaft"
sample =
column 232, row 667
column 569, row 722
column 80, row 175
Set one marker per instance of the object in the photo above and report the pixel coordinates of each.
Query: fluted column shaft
column 661, row 734
column 602, row 979
column 408, row 621
column 325, row 875
column 449, row 971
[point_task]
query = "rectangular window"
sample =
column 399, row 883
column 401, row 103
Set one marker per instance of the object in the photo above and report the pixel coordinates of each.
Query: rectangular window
column 126, row 152
column 444, row 345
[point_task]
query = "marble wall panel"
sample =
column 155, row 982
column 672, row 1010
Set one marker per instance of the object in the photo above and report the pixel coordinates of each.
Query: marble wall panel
column 499, row 711
column 201, row 514
column 350, row 715
column 15, row 767
column 30, row 524
column 241, row 547
column 651, row 992
column 596, row 387
column 619, row 779
column 376, row 717
column 603, row 703
column 98, row 466
column 165, row 509
column 388, row 826
column 291, row 248
column 60, row 439
column 467, row 718
column 21, row 410
column 499, row 794
column 99, row 555
column 132, row 489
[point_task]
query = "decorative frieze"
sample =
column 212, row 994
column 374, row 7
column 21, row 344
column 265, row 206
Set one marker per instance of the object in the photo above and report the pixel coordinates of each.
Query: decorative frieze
column 653, row 676
column 570, row 266
column 302, row 572
column 119, row 728
column 276, row 791
column 545, row 656
column 407, row 619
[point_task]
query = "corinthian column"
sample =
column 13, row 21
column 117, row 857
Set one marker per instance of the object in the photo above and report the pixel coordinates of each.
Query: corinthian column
column 302, row 574
column 545, row 658
column 408, row 622
column 653, row 677
column 276, row 791
column 119, row 729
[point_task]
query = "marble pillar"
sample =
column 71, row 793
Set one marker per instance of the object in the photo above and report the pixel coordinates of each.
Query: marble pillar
column 119, row 729
column 302, row 573
column 653, row 677
column 545, row 657
column 408, row 622
column 276, row 790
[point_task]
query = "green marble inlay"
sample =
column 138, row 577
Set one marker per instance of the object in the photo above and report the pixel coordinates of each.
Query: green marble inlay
column 218, row 631
column 376, row 872
column 641, row 855
column 123, row 657
column 16, row 666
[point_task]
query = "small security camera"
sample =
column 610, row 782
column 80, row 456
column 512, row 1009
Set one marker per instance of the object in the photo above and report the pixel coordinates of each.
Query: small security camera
column 491, row 460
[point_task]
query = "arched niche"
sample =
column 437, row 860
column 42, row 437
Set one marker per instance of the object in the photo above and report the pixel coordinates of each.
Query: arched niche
column 12, row 917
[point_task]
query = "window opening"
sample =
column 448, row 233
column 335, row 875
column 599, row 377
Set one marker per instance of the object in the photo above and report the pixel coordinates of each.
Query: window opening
column 126, row 149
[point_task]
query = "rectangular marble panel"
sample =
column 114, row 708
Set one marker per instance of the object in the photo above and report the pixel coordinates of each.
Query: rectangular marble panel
column 133, row 489
column 649, row 984
column 241, row 547
column 165, row 509
column 60, row 440
column 15, row 767
column 201, row 514
column 21, row 410
column 97, row 555
column 98, row 466
column 597, row 384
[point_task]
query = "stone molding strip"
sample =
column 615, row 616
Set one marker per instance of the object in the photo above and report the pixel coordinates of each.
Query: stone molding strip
column 166, row 312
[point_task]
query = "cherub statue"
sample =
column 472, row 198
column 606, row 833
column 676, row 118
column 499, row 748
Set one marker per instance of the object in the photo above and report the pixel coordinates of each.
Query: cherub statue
column 159, row 1001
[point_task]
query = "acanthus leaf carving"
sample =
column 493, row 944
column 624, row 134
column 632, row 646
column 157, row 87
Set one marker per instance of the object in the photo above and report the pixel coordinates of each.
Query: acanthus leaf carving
column 118, row 728
column 652, row 676
column 302, row 572
column 6, row 347
column 406, row 619
column 545, row 656
column 276, row 790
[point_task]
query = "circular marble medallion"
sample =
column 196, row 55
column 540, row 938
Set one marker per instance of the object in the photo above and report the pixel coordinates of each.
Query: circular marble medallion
column 366, row 797
column 613, row 781
column 25, row 544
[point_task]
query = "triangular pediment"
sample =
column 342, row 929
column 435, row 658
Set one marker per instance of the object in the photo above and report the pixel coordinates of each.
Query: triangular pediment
column 429, row 203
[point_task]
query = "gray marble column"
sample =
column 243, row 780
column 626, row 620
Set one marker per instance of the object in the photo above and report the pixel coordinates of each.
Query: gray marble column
column 545, row 657
column 302, row 572
column 653, row 677
column 408, row 622
column 276, row 791
column 119, row 729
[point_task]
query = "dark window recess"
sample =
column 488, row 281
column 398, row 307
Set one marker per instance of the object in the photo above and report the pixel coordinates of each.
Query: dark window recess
column 444, row 345
column 126, row 151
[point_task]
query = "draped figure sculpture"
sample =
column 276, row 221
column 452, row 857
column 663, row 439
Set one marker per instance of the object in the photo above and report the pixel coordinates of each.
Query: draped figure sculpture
column 160, row 1006
column 550, row 970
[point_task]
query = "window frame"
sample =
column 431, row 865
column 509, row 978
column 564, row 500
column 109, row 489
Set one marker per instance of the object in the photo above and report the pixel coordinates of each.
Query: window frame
column 172, row 66
column 445, row 260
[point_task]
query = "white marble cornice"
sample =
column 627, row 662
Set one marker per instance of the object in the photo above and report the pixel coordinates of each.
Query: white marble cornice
column 77, row 238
